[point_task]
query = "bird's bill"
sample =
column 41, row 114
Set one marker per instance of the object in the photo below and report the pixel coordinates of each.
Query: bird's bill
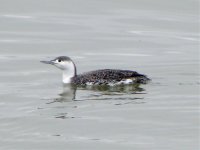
column 48, row 62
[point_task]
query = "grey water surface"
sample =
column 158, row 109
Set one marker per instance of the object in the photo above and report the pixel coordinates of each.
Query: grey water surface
column 154, row 37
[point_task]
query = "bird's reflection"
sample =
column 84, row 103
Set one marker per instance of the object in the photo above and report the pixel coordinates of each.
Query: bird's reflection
column 69, row 92
column 123, row 89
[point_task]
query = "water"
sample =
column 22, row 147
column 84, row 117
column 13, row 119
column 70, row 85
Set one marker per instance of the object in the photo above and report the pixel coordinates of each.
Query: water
column 157, row 38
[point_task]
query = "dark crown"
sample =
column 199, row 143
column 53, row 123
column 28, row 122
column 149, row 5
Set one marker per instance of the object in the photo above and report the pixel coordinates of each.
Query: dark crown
column 63, row 58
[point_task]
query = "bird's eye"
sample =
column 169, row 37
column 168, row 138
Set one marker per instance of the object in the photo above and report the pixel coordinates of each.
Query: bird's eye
column 59, row 60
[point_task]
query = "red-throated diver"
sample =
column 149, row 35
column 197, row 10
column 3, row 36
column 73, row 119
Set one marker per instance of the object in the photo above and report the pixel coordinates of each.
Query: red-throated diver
column 98, row 77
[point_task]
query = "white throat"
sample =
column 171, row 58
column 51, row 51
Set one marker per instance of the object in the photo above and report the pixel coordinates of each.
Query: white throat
column 69, row 72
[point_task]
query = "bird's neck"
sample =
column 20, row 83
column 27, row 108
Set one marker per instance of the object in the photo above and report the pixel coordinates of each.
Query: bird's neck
column 69, row 73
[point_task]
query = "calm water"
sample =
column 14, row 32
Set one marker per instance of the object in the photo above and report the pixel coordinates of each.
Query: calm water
column 157, row 38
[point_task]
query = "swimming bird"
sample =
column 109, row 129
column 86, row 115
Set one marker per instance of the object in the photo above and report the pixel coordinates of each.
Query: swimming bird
column 97, row 77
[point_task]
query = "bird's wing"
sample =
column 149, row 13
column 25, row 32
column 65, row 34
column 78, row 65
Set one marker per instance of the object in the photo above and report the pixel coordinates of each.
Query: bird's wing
column 107, row 75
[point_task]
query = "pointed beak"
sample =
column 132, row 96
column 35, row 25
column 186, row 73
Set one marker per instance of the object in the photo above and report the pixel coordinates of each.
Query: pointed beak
column 48, row 62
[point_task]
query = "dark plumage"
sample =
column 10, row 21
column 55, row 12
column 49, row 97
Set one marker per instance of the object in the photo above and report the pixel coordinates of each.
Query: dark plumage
column 63, row 58
column 109, row 76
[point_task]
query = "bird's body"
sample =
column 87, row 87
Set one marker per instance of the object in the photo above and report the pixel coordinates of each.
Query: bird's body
column 98, row 77
column 109, row 77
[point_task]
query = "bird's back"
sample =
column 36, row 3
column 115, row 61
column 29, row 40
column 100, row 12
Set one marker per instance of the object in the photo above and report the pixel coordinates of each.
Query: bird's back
column 109, row 76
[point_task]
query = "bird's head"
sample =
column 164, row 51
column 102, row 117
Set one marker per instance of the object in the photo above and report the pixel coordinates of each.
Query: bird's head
column 61, row 62
column 66, row 65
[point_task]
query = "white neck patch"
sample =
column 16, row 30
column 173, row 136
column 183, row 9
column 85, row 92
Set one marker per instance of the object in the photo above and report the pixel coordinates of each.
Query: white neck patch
column 68, row 72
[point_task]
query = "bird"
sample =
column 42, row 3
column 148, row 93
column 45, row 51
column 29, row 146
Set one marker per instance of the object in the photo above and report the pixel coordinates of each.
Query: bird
column 97, row 77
